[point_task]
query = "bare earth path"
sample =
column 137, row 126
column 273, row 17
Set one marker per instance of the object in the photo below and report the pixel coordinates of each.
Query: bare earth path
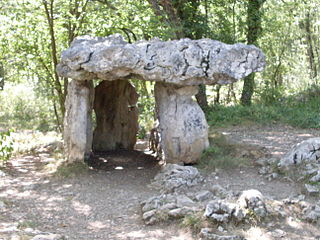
column 104, row 204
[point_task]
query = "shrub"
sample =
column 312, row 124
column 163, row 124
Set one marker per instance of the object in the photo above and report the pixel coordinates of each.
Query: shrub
column 6, row 146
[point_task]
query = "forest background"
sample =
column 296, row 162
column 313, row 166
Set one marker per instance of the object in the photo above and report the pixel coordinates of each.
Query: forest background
column 33, row 33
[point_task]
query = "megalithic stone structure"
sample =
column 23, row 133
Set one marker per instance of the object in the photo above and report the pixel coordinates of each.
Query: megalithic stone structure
column 177, row 67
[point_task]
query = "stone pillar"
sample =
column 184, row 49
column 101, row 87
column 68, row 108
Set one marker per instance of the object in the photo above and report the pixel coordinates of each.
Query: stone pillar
column 78, row 120
column 183, row 127
column 116, row 116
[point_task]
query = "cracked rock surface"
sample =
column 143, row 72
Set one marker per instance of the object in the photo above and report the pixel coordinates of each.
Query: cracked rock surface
column 181, row 62
column 306, row 151
column 306, row 155
column 174, row 177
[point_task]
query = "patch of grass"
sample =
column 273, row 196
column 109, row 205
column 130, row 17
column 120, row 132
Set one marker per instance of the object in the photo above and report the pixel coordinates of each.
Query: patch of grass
column 303, row 113
column 221, row 154
column 194, row 221
column 27, row 224
column 162, row 216
column 71, row 170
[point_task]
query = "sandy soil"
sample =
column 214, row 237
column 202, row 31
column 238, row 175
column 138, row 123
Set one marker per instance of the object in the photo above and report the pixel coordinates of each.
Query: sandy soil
column 103, row 202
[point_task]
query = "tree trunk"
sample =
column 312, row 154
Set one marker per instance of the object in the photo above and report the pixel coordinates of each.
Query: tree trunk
column 201, row 97
column 217, row 98
column 254, row 30
column 311, row 53
column 248, row 89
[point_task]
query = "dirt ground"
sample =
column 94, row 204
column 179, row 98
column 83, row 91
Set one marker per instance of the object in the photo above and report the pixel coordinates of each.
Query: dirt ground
column 104, row 202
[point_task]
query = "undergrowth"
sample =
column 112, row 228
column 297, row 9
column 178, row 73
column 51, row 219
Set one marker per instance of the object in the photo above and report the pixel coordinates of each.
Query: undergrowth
column 301, row 110
column 221, row 154
column 194, row 221
column 71, row 170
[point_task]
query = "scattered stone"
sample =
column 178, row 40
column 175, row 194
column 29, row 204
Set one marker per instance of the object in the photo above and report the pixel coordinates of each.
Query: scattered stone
column 174, row 177
column 150, row 217
column 2, row 206
column 265, row 170
column 206, row 233
column 183, row 200
column 294, row 199
column 48, row 237
column 312, row 213
column 278, row 233
column 203, row 195
column 159, row 208
column 220, row 210
column 164, row 201
column 306, row 151
column 253, row 199
column 316, row 178
column 15, row 237
column 2, row 174
column 220, row 192
column 220, row 229
column 180, row 212
column 312, row 189
column 9, row 227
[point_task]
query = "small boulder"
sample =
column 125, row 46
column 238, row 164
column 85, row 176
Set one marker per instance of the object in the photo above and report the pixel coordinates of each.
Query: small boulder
column 207, row 233
column 254, row 200
column 175, row 177
column 312, row 213
column 220, row 210
column 306, row 151
column 312, row 189
column 203, row 195
column 183, row 200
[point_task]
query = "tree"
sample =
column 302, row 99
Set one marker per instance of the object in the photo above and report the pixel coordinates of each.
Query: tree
column 254, row 15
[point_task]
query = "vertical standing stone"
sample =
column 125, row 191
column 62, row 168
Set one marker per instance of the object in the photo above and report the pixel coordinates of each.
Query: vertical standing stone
column 116, row 115
column 78, row 120
column 183, row 127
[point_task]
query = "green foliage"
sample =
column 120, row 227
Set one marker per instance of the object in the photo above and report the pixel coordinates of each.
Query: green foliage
column 194, row 221
column 22, row 109
column 146, row 107
column 299, row 110
column 6, row 146
column 288, row 36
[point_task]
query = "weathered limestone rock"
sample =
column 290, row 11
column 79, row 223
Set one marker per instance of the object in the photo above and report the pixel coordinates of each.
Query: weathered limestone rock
column 220, row 210
column 177, row 66
column 207, row 233
column 305, row 151
column 77, row 121
column 182, row 62
column 160, row 208
column 183, row 126
column 116, row 116
column 174, row 178
column 254, row 200
column 312, row 213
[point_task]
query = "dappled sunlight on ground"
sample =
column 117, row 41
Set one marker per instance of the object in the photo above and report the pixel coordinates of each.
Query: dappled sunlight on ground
column 104, row 202
column 255, row 233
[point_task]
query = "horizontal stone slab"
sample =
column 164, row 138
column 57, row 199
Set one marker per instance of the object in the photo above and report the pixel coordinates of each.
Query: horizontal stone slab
column 181, row 62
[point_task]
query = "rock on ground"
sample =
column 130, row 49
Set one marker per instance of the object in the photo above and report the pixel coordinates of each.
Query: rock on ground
column 306, row 151
column 175, row 177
